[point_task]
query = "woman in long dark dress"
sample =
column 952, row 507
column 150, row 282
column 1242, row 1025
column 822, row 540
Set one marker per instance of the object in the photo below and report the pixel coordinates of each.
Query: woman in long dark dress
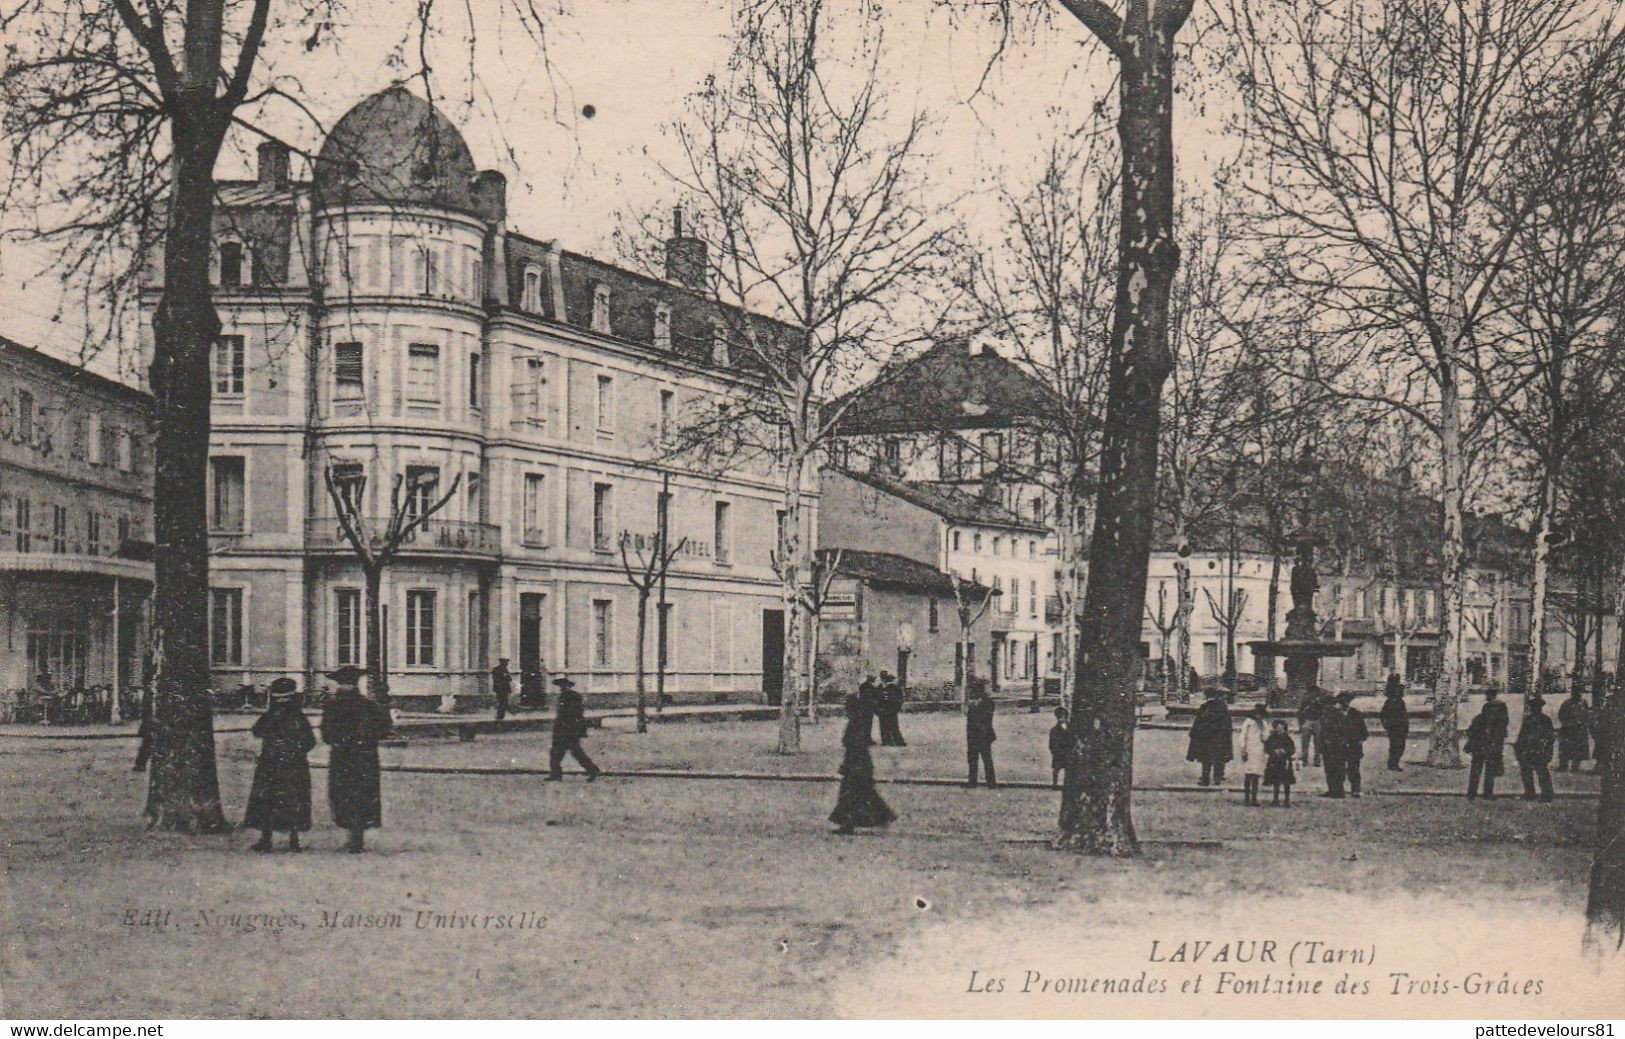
column 279, row 798
column 352, row 725
column 858, row 803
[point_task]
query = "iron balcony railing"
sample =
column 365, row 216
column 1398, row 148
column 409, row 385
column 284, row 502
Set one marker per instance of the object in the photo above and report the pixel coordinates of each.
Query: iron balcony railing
column 434, row 537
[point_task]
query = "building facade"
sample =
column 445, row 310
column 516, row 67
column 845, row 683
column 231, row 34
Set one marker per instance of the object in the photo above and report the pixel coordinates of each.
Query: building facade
column 383, row 324
column 976, row 540
column 75, row 511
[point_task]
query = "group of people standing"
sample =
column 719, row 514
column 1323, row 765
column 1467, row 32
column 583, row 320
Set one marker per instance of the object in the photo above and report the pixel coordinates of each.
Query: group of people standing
column 1534, row 746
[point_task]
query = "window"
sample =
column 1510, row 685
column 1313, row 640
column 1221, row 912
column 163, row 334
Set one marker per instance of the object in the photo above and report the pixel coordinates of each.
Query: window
column 123, row 530
column 226, row 625
column 603, row 632
column 422, row 481
column 347, row 626
column 25, row 416
column 665, row 413
column 1032, row 599
column 351, row 480
column 719, row 344
column 531, row 298
column 992, row 449
column 530, row 391
column 226, row 495
column 423, row 372
column 893, row 455
column 1038, row 509
column 93, row 533
column 228, row 366
column 1032, row 549
column 976, row 541
column 600, row 309
column 236, row 265
column 778, row 526
column 1015, row 595
column 425, row 276
column 476, row 289
column 125, row 450
column 348, row 379
column 722, row 547
column 663, row 326
column 25, row 523
column 956, row 541
column 59, row 529
column 473, row 629
column 933, row 621
column 601, row 518
column 535, row 507
column 93, row 439
column 474, row 381
column 420, row 641
column 606, row 404
column 998, row 544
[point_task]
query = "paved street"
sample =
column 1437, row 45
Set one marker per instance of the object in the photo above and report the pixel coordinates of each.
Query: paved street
column 669, row 897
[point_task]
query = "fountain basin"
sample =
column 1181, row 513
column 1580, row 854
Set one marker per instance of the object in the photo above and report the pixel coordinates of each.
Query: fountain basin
column 1302, row 648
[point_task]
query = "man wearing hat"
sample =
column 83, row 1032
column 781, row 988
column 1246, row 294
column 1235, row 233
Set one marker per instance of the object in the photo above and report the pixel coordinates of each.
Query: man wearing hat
column 1335, row 745
column 569, row 726
column 1533, row 749
column 887, row 708
column 501, row 686
column 352, row 725
column 1354, row 737
column 1486, row 738
column 279, row 798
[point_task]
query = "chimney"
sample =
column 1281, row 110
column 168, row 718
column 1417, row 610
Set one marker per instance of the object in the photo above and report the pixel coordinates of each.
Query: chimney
column 273, row 168
column 685, row 256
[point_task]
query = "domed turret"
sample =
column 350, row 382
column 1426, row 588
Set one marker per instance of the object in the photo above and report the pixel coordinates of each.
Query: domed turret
column 395, row 147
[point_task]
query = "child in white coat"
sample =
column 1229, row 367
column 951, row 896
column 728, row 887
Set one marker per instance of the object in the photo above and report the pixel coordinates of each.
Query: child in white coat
column 1251, row 739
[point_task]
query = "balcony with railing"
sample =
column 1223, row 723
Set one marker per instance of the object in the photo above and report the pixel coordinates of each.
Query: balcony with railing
column 436, row 537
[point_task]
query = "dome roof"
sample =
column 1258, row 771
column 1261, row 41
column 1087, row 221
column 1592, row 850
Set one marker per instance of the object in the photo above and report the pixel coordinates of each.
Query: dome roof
column 395, row 147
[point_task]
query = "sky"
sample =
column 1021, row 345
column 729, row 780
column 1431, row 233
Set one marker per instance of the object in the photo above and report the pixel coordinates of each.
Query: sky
column 521, row 100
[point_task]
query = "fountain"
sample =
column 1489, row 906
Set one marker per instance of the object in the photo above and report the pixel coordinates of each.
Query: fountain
column 1302, row 648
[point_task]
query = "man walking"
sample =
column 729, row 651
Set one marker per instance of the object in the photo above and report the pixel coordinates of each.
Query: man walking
column 501, row 686
column 1396, row 722
column 1486, row 740
column 887, row 708
column 1210, row 739
column 979, row 737
column 1310, row 713
column 569, row 726
column 1354, row 733
column 352, row 725
column 1533, row 749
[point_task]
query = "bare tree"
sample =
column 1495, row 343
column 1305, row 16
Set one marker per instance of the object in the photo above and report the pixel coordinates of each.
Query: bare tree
column 645, row 566
column 1167, row 623
column 826, row 566
column 807, row 198
column 115, row 117
column 1386, row 129
column 1228, row 618
column 377, row 541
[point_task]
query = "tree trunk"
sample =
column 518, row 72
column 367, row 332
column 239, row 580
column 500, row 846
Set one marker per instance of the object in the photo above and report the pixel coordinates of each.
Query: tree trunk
column 812, row 668
column 1537, row 595
column 643, row 637
column 1605, row 903
column 964, row 662
column 1444, row 745
column 377, row 677
column 1182, row 626
column 791, row 561
column 1095, row 804
column 184, row 789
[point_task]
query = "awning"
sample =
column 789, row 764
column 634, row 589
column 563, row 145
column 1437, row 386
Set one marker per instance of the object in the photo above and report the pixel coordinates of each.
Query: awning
column 77, row 565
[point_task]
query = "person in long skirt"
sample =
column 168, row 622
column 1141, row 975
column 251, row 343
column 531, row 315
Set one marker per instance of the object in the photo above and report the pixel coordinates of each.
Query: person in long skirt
column 858, row 803
column 352, row 725
column 1278, row 773
column 279, row 798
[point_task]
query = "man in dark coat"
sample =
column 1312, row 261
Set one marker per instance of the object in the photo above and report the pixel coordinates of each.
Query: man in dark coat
column 1334, row 746
column 979, row 737
column 1210, row 741
column 352, row 725
column 1396, row 721
column 1533, row 749
column 1574, row 736
column 501, row 687
column 869, row 693
column 1354, row 733
column 1486, row 739
column 889, row 706
column 1311, row 711
column 279, row 798
column 569, row 726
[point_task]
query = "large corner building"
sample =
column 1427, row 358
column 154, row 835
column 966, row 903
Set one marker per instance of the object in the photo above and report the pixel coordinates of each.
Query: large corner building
column 381, row 318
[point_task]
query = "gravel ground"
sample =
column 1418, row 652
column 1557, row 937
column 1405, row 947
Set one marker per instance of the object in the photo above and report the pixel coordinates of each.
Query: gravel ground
column 680, row 898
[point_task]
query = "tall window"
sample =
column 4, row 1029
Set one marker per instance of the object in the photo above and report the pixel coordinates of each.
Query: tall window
column 422, row 481
column 956, row 541
column 663, row 326
column 93, row 533
column 420, row 629
column 347, row 626
column 423, row 372
column 474, row 381
column 531, row 298
column 228, row 366
column 351, row 480
column 226, row 625
column 893, row 455
column 722, row 539
column 349, row 382
column 25, row 523
column 25, row 416
column 226, row 513
column 606, row 404
column 665, row 413
column 535, row 504
column 600, row 308
column 125, row 450
column 59, row 529
column 933, row 621
column 998, row 544
column 236, row 265
column 603, row 632
column 475, row 629
column 93, row 439
column 1015, row 595
column 601, row 517
column 991, row 452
